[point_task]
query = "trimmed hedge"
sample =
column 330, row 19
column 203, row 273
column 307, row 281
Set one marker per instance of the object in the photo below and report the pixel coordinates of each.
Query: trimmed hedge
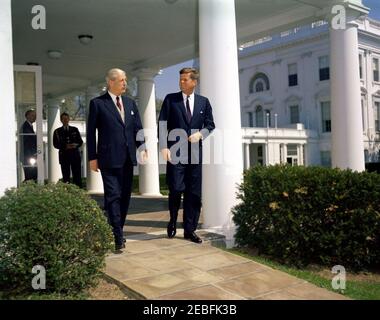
column 57, row 226
column 303, row 215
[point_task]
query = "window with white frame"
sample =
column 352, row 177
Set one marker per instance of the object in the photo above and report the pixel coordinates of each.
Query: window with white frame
column 366, row 156
column 326, row 116
column 292, row 154
column 376, row 69
column 259, row 83
column 376, row 115
column 324, row 68
column 250, row 119
column 326, row 158
column 259, row 117
column 294, row 114
column 361, row 66
column 292, row 75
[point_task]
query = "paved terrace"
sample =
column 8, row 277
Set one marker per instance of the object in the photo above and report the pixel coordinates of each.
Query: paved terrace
column 155, row 267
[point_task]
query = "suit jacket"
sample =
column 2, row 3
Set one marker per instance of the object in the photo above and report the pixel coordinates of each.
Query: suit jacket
column 61, row 138
column 28, row 142
column 116, row 139
column 173, row 114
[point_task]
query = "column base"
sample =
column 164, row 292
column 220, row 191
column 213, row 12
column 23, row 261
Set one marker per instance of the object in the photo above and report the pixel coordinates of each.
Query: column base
column 228, row 232
column 95, row 192
column 153, row 195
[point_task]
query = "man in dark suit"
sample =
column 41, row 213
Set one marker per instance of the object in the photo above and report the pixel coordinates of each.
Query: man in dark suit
column 29, row 146
column 188, row 117
column 68, row 140
column 118, row 123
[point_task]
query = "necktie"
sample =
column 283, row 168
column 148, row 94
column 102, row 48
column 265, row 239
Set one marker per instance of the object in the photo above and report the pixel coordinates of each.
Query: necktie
column 118, row 103
column 188, row 111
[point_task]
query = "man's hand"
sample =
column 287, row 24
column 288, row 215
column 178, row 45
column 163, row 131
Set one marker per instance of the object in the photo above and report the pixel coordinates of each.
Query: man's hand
column 194, row 138
column 166, row 154
column 94, row 165
column 144, row 156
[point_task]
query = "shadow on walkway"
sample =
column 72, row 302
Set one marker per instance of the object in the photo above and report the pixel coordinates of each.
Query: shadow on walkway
column 140, row 204
column 155, row 267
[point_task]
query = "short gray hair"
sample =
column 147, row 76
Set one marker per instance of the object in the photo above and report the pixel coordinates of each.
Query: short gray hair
column 112, row 73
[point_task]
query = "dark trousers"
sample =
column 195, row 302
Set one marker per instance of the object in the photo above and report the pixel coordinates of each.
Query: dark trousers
column 117, row 183
column 72, row 162
column 30, row 173
column 186, row 180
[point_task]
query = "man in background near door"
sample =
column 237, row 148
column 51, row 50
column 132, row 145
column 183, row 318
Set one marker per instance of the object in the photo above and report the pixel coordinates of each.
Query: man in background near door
column 67, row 140
column 29, row 146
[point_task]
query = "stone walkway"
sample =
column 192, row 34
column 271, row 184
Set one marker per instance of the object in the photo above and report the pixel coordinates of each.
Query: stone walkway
column 155, row 267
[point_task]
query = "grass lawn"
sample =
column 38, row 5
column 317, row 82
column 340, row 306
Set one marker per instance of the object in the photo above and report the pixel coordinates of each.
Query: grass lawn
column 359, row 286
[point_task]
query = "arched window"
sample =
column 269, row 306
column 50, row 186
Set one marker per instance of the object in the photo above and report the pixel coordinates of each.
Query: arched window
column 259, row 83
column 259, row 86
column 259, row 117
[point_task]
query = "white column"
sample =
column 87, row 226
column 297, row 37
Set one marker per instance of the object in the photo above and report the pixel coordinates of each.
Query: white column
column 247, row 156
column 8, row 168
column 84, row 157
column 346, row 118
column 149, row 183
column 368, row 73
column 301, row 155
column 94, row 179
column 219, row 81
column 54, row 122
column 284, row 153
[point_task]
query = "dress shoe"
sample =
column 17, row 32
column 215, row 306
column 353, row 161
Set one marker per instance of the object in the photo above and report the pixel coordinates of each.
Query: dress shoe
column 172, row 230
column 118, row 247
column 192, row 237
column 124, row 240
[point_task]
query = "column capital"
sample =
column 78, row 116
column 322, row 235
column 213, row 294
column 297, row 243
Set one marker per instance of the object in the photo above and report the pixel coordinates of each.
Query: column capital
column 146, row 74
column 54, row 103
column 353, row 10
column 93, row 91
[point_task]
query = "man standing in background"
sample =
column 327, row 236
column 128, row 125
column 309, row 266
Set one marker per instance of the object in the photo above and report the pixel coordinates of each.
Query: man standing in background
column 68, row 140
column 29, row 146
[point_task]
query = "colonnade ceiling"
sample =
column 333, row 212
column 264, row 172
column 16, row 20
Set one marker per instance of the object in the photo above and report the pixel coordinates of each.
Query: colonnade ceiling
column 131, row 34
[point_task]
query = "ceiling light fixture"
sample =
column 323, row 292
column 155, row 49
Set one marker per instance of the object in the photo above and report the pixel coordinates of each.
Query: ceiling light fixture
column 85, row 38
column 55, row 54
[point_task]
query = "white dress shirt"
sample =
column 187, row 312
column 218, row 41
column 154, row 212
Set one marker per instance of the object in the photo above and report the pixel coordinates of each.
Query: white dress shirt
column 121, row 112
column 191, row 102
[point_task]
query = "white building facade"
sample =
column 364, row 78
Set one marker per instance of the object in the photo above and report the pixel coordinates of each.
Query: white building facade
column 285, row 98
column 212, row 30
column 285, row 94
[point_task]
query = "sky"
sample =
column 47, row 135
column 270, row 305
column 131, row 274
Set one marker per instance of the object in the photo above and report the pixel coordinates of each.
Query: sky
column 167, row 82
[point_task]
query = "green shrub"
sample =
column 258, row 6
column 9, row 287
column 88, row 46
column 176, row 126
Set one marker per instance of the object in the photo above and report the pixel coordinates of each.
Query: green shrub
column 303, row 215
column 57, row 226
